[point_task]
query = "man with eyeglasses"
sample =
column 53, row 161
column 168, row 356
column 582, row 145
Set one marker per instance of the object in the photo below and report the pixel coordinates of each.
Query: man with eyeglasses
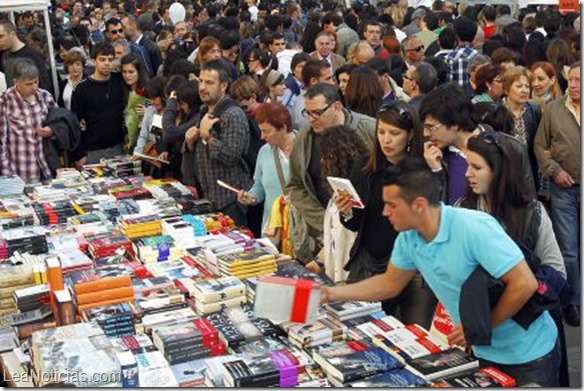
column 419, row 80
column 323, row 109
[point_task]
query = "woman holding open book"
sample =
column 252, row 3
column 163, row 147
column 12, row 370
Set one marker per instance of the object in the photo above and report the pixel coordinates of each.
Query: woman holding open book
column 399, row 134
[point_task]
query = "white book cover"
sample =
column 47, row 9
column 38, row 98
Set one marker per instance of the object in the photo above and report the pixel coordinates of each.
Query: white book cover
column 342, row 186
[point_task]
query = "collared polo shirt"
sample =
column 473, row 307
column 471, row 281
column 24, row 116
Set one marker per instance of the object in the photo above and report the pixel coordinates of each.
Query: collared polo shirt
column 466, row 239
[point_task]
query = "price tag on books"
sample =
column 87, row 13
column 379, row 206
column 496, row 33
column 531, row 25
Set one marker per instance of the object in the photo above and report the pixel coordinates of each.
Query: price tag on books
column 283, row 299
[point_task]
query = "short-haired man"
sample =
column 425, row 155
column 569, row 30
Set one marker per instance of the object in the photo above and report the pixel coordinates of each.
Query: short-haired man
column 372, row 34
column 323, row 109
column 457, row 59
column 447, row 245
column 413, row 50
column 23, row 109
column 134, row 33
column 419, row 80
column 293, row 81
column 276, row 43
column 324, row 51
column 114, row 30
column 220, row 142
column 332, row 22
column 313, row 72
column 557, row 148
column 180, row 29
column 361, row 52
column 12, row 49
column 98, row 102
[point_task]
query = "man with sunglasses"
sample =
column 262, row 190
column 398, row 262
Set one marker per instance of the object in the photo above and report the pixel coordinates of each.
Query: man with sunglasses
column 323, row 109
column 114, row 30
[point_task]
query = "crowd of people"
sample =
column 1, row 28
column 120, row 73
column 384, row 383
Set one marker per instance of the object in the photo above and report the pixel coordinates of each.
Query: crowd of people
column 433, row 113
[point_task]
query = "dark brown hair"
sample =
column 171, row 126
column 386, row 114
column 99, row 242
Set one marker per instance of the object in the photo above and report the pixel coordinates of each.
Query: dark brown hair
column 364, row 93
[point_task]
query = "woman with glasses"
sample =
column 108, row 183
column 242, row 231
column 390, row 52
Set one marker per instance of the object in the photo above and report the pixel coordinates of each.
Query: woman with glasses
column 399, row 134
column 497, row 186
column 489, row 84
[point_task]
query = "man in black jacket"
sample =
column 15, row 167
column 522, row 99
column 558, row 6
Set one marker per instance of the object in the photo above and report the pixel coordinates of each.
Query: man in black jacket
column 134, row 33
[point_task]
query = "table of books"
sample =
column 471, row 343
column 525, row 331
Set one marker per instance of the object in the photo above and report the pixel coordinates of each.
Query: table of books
column 110, row 278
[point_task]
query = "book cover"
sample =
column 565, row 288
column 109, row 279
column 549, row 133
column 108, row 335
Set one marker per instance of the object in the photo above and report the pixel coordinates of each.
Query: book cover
column 245, row 373
column 129, row 369
column 361, row 364
column 480, row 378
column 105, row 295
column 442, row 364
column 214, row 290
column 398, row 378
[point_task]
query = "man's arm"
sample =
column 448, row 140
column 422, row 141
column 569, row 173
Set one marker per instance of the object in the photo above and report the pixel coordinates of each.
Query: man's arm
column 4, row 162
column 542, row 145
column 380, row 287
column 520, row 285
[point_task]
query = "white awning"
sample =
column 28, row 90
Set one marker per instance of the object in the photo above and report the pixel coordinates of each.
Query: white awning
column 24, row 5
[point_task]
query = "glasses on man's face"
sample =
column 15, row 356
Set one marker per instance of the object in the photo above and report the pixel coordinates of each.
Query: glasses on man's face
column 115, row 32
column 407, row 77
column 316, row 114
column 416, row 49
column 432, row 128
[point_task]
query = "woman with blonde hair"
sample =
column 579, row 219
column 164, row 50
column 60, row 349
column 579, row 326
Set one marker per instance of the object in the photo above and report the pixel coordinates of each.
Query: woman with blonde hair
column 74, row 65
column 272, row 84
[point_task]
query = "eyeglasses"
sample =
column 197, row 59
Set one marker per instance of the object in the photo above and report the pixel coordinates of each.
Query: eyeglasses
column 432, row 128
column 402, row 113
column 407, row 77
column 316, row 114
column 416, row 49
column 119, row 31
column 497, row 81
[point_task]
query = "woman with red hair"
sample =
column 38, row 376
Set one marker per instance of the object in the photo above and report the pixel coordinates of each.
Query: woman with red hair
column 544, row 83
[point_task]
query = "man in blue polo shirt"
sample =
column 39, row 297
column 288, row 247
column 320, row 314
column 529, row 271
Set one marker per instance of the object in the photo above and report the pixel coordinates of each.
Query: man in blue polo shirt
column 446, row 245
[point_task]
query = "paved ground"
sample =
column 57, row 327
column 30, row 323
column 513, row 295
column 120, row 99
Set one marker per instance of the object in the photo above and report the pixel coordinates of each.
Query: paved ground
column 574, row 345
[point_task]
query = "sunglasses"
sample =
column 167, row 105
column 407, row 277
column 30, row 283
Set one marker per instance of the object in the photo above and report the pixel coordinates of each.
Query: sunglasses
column 401, row 112
column 316, row 114
column 116, row 31
column 416, row 49
column 491, row 137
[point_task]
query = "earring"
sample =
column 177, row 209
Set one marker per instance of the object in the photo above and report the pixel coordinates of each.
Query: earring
column 408, row 147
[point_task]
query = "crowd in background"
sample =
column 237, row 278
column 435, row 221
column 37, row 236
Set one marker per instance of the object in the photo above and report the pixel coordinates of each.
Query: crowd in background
column 274, row 97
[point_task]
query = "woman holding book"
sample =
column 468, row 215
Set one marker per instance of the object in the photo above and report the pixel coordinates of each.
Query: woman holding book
column 497, row 186
column 399, row 134
column 272, row 164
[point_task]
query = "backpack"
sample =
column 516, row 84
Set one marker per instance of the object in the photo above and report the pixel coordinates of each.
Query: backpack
column 255, row 140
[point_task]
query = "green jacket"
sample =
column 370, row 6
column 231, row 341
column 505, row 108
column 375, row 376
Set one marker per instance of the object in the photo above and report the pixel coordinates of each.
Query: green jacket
column 300, row 188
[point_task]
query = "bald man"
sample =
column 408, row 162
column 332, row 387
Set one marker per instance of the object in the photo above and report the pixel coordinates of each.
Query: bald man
column 361, row 53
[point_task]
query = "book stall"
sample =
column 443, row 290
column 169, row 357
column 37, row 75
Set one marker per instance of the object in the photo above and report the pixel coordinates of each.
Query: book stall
column 109, row 278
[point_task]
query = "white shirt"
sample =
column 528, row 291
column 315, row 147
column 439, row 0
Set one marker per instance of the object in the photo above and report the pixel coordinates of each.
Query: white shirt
column 285, row 61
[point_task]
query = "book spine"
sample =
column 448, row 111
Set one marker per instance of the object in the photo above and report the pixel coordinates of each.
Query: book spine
column 128, row 299
column 103, row 284
column 110, row 294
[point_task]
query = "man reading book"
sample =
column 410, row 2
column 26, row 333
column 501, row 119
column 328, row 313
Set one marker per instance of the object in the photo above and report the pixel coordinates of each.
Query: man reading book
column 446, row 245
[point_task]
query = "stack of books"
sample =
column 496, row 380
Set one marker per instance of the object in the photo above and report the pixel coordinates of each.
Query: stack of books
column 281, row 368
column 176, row 316
column 139, row 226
column 24, row 240
column 184, row 228
column 153, row 370
column 217, row 222
column 396, row 378
column 159, row 299
column 486, row 377
column 158, row 249
column 92, row 290
column 108, row 245
column 115, row 320
column 352, row 309
column 74, row 259
column 321, row 332
column 442, row 364
column 11, row 185
column 237, row 325
column 202, row 372
column 247, row 264
column 213, row 295
column 186, row 267
column 57, row 212
column 188, row 341
column 31, row 298
column 122, row 166
column 14, row 214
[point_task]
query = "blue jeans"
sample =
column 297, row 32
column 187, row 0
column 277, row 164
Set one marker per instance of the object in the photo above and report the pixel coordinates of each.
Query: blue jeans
column 566, row 222
column 543, row 371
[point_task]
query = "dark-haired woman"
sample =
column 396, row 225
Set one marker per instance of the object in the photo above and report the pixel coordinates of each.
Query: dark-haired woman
column 497, row 186
column 399, row 134
column 135, row 79
column 181, row 113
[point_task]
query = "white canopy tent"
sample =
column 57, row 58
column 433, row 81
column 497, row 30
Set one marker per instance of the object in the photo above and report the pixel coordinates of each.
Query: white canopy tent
column 518, row 3
column 11, row 6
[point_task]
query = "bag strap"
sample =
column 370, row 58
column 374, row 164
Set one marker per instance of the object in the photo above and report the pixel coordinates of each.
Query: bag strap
column 279, row 167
